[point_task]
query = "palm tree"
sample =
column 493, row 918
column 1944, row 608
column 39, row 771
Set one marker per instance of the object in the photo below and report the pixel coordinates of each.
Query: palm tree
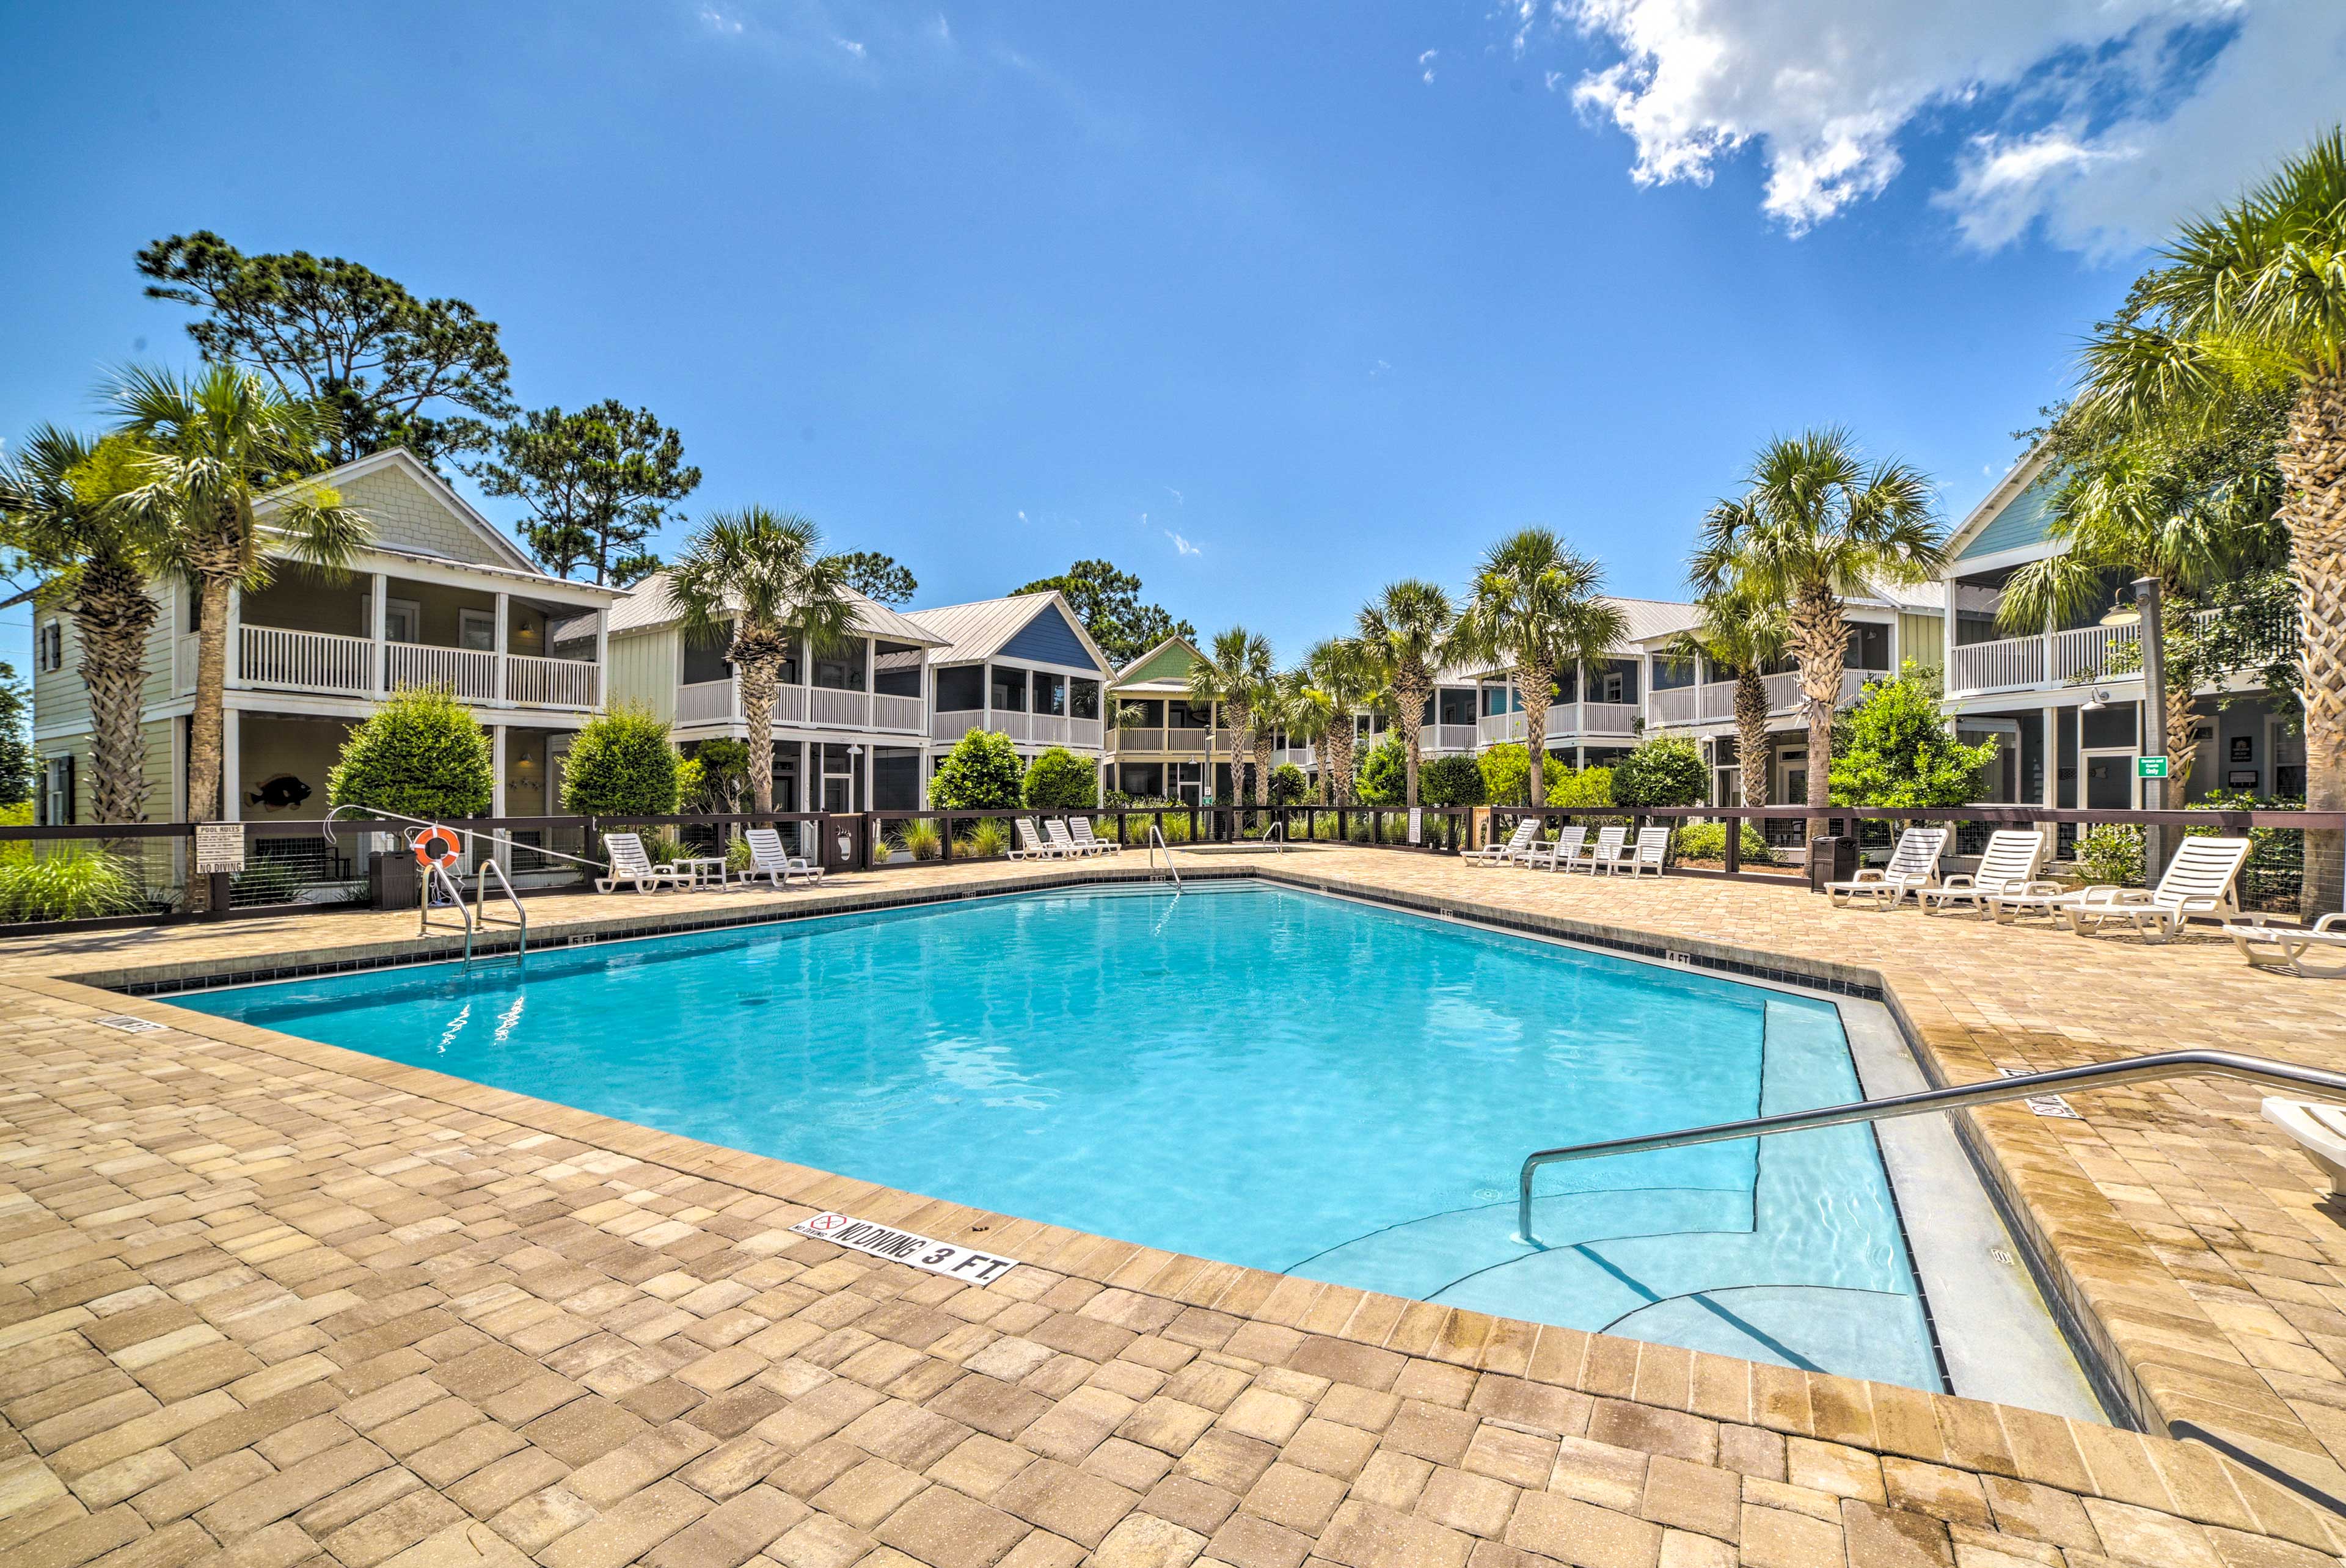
column 1403, row 629
column 1744, row 635
column 762, row 575
column 1268, row 712
column 1537, row 608
column 1340, row 679
column 2145, row 508
column 2256, row 293
column 1311, row 718
column 57, row 512
column 1229, row 674
column 218, row 447
column 1816, row 522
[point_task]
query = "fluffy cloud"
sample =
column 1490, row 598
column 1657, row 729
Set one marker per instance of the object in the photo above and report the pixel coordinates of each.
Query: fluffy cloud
column 2103, row 120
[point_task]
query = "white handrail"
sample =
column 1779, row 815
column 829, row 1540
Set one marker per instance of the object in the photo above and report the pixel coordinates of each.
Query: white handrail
column 1155, row 842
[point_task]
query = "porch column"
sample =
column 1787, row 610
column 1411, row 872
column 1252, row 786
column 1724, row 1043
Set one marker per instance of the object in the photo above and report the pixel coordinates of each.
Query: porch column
column 232, row 676
column 497, row 770
column 2051, row 788
column 1579, row 758
column 499, row 647
column 602, row 655
column 231, row 766
column 380, row 632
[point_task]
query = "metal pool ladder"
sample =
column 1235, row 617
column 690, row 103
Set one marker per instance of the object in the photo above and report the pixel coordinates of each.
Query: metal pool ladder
column 2096, row 1076
column 1155, row 842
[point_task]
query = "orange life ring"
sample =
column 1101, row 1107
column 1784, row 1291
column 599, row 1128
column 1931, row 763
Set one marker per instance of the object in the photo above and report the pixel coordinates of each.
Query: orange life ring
column 437, row 846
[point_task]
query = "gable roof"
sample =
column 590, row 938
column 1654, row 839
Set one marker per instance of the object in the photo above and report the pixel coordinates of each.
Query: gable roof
column 983, row 628
column 398, row 459
column 651, row 607
column 2015, row 515
column 1143, row 673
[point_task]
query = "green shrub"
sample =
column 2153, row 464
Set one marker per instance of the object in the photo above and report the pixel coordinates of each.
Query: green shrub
column 421, row 754
column 662, row 847
column 716, row 778
column 1664, row 771
column 981, row 773
column 1506, row 770
column 68, row 880
column 1058, row 781
column 988, row 836
column 266, row 882
column 921, row 839
column 737, row 857
column 1708, row 841
column 1895, row 747
column 621, row 765
column 1288, row 785
column 1453, row 781
column 1384, row 774
column 1581, row 786
column 2111, row 854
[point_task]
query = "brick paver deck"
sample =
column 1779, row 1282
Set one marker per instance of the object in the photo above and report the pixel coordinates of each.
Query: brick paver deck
column 264, row 1301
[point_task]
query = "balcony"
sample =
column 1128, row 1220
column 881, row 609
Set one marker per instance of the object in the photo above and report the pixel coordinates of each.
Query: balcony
column 719, row 702
column 2050, row 660
column 1564, row 719
column 1032, row 728
column 323, row 664
column 1172, row 742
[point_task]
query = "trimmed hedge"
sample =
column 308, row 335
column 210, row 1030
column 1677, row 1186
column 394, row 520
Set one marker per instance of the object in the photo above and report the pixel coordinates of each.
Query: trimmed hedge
column 421, row 754
column 1664, row 771
column 1453, row 781
column 621, row 765
column 981, row 773
column 1059, row 781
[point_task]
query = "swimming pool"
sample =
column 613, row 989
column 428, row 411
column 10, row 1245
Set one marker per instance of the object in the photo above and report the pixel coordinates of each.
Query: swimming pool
column 1244, row 1072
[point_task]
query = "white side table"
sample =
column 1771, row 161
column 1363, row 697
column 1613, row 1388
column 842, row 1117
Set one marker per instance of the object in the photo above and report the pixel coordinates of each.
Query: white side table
column 706, row 870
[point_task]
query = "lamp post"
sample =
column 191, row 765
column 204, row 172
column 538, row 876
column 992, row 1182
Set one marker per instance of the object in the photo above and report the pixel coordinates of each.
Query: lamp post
column 2144, row 612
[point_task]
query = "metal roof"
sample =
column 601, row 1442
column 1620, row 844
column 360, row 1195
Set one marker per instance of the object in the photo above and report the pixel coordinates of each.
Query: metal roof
column 650, row 605
column 978, row 629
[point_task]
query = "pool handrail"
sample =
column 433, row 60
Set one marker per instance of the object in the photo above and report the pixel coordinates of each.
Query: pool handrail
column 2093, row 1076
column 1155, row 842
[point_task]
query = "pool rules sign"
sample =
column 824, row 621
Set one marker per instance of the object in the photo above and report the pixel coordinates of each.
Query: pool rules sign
column 903, row 1247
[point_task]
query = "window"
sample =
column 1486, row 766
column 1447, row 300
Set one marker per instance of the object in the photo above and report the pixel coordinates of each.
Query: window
column 896, row 670
column 1457, row 705
column 402, row 621
column 961, row 689
column 1672, row 674
column 1144, row 780
column 1495, row 700
column 476, row 630
column 1050, row 694
column 895, row 779
column 1084, row 701
column 1869, row 646
column 704, row 654
column 50, row 653
column 840, row 776
column 57, row 791
column 842, row 668
column 1009, row 688
column 1152, row 713
column 1181, row 714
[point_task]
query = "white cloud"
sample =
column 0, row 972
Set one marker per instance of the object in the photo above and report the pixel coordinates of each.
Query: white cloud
column 851, row 46
column 1425, row 64
column 719, row 22
column 1177, row 497
column 2104, row 120
column 1022, row 516
column 1378, row 369
column 1180, row 546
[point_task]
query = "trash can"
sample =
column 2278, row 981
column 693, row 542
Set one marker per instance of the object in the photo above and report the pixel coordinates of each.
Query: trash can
column 1832, row 858
column 391, row 880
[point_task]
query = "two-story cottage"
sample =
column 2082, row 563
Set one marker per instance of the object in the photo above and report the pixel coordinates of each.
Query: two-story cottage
column 1022, row 667
column 439, row 597
column 2063, row 697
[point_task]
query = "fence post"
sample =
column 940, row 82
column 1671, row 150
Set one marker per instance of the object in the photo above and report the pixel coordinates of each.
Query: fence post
column 1734, row 846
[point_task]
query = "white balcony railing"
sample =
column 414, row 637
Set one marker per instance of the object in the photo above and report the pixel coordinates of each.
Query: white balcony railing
column 1675, row 705
column 1180, row 742
column 705, row 702
column 552, row 682
column 469, row 673
column 1606, row 719
column 850, row 710
column 896, row 712
column 1444, row 737
column 285, row 660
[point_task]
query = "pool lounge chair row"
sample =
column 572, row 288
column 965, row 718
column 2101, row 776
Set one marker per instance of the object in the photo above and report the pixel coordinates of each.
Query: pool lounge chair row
column 1069, row 839
column 2202, row 879
column 1571, row 852
column 632, row 867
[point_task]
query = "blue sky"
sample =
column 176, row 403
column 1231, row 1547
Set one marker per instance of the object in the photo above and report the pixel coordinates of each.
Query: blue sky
column 1268, row 305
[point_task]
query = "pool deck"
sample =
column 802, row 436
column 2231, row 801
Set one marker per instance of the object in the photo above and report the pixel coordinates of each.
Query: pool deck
column 267, row 1302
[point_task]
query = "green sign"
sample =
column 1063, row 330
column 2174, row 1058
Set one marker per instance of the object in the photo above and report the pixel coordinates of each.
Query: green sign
column 2150, row 767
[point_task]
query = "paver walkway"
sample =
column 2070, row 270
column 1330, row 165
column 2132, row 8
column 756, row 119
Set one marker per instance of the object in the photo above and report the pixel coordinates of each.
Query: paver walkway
column 265, row 1301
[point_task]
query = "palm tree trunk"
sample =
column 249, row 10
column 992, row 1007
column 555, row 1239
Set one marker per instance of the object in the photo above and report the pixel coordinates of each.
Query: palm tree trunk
column 1819, row 642
column 1751, row 736
column 1262, row 765
column 1411, row 688
column 1339, row 761
column 2181, row 749
column 760, row 678
column 1533, row 681
column 208, row 724
column 114, row 614
column 2314, row 507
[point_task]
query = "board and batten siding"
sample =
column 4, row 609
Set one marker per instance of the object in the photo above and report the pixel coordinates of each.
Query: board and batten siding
column 1923, row 639
column 1048, row 639
column 645, row 668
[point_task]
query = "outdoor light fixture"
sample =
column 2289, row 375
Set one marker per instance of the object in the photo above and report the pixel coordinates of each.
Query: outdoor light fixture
column 2121, row 612
column 2098, row 701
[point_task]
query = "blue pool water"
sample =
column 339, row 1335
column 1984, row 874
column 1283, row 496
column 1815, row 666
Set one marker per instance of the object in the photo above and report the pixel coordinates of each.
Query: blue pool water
column 1246, row 1073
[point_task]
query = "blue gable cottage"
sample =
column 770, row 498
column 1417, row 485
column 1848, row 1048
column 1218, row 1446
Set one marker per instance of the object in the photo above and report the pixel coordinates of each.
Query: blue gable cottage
column 1023, row 666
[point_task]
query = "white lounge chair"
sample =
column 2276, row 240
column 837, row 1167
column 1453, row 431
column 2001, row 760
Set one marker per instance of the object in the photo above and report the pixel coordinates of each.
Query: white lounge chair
column 1032, row 846
column 1653, row 846
column 631, row 865
column 2320, row 1130
column 1612, row 843
column 2009, row 865
column 2199, row 881
column 1518, row 844
column 1064, row 841
column 769, row 860
column 2285, row 946
column 1086, row 839
column 1913, row 866
column 1562, row 852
